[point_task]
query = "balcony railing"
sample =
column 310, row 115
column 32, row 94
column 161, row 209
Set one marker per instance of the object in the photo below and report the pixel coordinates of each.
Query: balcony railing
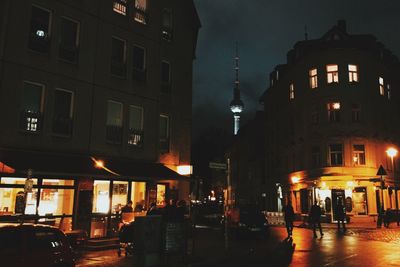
column 140, row 14
column 136, row 137
column 167, row 33
column 118, row 68
column 30, row 121
column 139, row 75
column 62, row 125
column 164, row 145
column 68, row 53
column 114, row 134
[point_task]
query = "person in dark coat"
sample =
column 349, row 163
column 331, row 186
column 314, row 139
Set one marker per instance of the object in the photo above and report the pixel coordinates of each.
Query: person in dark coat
column 315, row 218
column 127, row 207
column 171, row 212
column 289, row 218
column 340, row 215
column 153, row 210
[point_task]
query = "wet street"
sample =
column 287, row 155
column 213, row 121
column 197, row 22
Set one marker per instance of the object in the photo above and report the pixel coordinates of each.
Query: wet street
column 357, row 247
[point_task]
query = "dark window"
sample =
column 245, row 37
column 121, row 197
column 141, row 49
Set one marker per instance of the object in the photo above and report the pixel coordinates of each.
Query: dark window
column 164, row 133
column 336, row 154
column 314, row 116
column 135, row 126
column 355, row 113
column 39, row 35
column 62, row 118
column 118, row 58
column 315, row 157
column 358, row 154
column 69, row 40
column 139, row 64
column 114, row 122
column 165, row 77
column 334, row 112
column 166, row 20
column 31, row 107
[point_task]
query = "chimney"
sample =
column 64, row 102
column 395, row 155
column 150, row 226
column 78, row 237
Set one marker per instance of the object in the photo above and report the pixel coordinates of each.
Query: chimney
column 342, row 25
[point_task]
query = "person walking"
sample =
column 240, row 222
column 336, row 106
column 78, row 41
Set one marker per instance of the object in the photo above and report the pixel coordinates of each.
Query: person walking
column 315, row 218
column 340, row 215
column 289, row 218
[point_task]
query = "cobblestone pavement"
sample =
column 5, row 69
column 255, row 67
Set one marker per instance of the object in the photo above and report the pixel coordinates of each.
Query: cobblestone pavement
column 391, row 235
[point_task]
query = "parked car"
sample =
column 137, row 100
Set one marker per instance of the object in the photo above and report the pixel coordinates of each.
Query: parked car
column 247, row 221
column 207, row 214
column 34, row 245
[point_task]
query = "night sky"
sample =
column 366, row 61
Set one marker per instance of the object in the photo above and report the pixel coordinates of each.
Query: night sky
column 266, row 30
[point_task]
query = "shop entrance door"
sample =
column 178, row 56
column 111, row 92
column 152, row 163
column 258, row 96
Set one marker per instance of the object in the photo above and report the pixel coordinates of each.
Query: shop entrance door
column 360, row 201
column 337, row 195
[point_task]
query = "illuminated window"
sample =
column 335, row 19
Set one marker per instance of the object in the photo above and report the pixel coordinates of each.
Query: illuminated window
column 39, row 35
column 381, row 86
column 353, row 73
column 69, row 40
column 118, row 57
column 164, row 133
column 161, row 194
column 167, row 28
column 101, row 196
column 114, row 122
column 332, row 74
column 119, row 195
column 291, row 91
column 358, row 154
column 313, row 78
column 56, row 201
column 388, row 91
column 140, row 11
column 31, row 106
column 139, row 63
column 138, row 192
column 63, row 110
column 120, row 6
column 355, row 113
column 135, row 126
column 334, row 112
column 336, row 154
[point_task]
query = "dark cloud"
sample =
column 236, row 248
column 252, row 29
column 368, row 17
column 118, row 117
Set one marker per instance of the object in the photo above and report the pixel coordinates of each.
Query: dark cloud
column 266, row 30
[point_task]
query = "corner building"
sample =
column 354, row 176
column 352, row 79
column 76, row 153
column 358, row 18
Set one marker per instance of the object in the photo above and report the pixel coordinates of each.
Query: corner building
column 331, row 114
column 96, row 100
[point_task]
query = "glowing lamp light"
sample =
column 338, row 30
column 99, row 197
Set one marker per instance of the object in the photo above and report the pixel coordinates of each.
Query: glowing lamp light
column 40, row 33
column 355, row 159
column 295, row 179
column 391, row 152
column 99, row 164
column 185, row 169
column 336, row 105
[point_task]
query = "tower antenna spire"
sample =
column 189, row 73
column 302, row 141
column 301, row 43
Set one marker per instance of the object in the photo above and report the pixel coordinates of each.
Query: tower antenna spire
column 236, row 104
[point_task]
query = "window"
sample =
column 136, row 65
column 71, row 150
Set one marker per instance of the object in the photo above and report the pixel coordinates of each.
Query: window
column 119, row 195
column 353, row 73
column 63, row 109
column 164, row 133
column 31, row 107
column 381, row 86
column 118, row 57
column 138, row 192
column 336, row 154
column 334, row 112
column 101, row 196
column 314, row 116
column 120, row 6
column 355, row 113
column 165, row 77
column 135, row 126
column 388, row 91
column 315, row 157
column 69, row 40
column 313, row 78
column 39, row 35
column 139, row 64
column 291, row 91
column 140, row 11
column 166, row 22
column 332, row 74
column 358, row 154
column 114, row 122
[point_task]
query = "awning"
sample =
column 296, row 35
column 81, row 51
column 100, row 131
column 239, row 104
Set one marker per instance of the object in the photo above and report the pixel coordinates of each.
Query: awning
column 16, row 163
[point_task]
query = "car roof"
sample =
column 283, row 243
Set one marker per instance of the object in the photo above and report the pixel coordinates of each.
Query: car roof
column 27, row 225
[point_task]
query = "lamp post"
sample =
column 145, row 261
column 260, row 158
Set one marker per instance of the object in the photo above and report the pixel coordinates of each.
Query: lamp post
column 392, row 152
column 381, row 172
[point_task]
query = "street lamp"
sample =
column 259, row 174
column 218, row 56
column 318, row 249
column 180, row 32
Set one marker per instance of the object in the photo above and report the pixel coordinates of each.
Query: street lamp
column 381, row 172
column 392, row 152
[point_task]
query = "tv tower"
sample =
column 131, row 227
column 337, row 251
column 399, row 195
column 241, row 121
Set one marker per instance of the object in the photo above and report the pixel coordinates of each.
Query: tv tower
column 236, row 104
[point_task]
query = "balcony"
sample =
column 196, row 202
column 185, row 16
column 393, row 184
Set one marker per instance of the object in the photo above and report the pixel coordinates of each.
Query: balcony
column 135, row 137
column 118, row 68
column 39, row 43
column 164, row 145
column 68, row 53
column 114, row 134
column 166, row 33
column 31, row 121
column 62, row 125
column 139, row 75
column 140, row 14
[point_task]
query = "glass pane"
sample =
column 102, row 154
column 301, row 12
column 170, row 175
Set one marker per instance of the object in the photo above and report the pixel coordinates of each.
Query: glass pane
column 161, row 190
column 56, row 201
column 40, row 21
column 118, row 50
column 138, row 193
column 101, row 196
column 31, row 97
column 141, row 4
column 135, row 117
column 119, row 195
column 114, row 113
column 69, row 30
column 58, row 182
column 62, row 103
column 12, row 201
column 14, row 180
column 138, row 58
column 167, row 18
column 163, row 126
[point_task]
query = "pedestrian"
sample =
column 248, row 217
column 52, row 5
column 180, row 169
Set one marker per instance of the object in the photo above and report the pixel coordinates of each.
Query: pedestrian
column 289, row 218
column 138, row 207
column 127, row 207
column 153, row 210
column 315, row 218
column 340, row 215
column 386, row 218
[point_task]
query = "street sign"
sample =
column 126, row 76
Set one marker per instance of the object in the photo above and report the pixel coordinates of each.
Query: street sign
column 217, row 165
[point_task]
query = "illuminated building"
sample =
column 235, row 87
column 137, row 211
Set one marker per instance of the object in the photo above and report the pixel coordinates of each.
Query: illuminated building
column 331, row 114
column 236, row 105
column 108, row 79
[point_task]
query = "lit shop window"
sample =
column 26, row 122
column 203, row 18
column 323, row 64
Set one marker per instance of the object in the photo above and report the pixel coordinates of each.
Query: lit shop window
column 291, row 91
column 138, row 193
column 358, row 154
column 120, row 6
column 161, row 191
column 381, row 86
column 334, row 112
column 353, row 73
column 119, row 195
column 313, row 78
column 140, row 11
column 55, row 201
column 101, row 196
column 336, row 154
column 332, row 74
column 12, row 201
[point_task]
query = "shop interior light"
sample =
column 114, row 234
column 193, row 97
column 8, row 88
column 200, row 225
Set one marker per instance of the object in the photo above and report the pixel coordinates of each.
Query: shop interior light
column 350, row 183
